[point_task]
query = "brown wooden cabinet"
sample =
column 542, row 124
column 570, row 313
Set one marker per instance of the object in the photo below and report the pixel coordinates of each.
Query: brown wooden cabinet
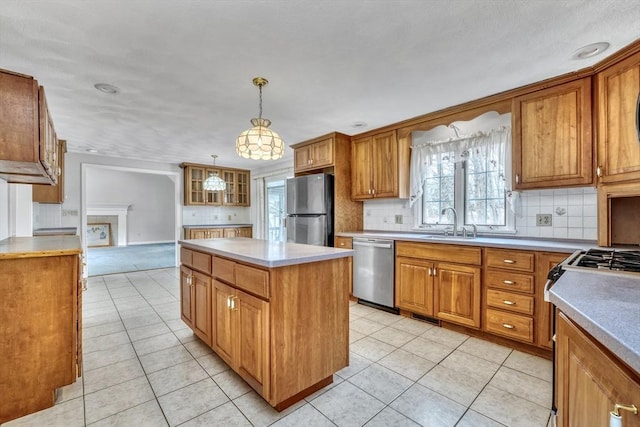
column 428, row 284
column 241, row 338
column 186, row 294
column 509, row 290
column 552, row 137
column 195, row 292
column 52, row 193
column 414, row 285
column 41, row 318
column 590, row 380
column 283, row 334
column 332, row 154
column 617, row 91
column 346, row 243
column 202, row 306
column 28, row 142
column 313, row 155
column 544, row 310
column 375, row 167
column 218, row 232
column 237, row 192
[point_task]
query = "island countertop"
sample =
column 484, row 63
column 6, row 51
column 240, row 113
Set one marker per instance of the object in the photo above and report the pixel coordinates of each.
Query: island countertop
column 265, row 253
column 606, row 306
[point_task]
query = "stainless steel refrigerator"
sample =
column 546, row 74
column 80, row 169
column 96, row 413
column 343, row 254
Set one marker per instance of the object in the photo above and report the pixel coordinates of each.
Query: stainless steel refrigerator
column 310, row 209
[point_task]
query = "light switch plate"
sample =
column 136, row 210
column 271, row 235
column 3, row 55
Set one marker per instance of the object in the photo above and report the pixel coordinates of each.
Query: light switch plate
column 543, row 220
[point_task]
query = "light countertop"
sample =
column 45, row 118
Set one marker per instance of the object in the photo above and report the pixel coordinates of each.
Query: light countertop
column 217, row 225
column 27, row 247
column 605, row 305
column 265, row 253
column 493, row 241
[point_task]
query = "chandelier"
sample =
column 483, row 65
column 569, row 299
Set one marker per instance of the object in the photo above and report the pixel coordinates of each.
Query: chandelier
column 260, row 142
column 214, row 182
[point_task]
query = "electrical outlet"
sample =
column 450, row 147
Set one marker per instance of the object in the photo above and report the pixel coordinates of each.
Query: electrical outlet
column 398, row 219
column 543, row 220
column 229, row 217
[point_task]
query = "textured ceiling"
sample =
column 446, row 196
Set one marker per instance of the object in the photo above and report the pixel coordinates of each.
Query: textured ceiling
column 185, row 67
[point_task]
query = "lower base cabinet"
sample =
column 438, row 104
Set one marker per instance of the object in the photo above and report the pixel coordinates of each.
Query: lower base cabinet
column 241, row 334
column 590, row 381
column 284, row 334
column 40, row 323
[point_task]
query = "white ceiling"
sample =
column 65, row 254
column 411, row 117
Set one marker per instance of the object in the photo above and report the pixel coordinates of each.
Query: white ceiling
column 185, row 67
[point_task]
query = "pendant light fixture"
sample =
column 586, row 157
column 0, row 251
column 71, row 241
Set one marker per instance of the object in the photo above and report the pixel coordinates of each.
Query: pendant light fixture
column 214, row 182
column 260, row 142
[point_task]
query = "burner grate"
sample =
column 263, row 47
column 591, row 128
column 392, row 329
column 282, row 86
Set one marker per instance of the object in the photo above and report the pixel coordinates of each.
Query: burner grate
column 610, row 260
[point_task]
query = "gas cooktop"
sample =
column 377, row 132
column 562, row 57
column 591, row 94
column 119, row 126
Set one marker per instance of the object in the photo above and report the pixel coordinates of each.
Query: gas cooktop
column 606, row 259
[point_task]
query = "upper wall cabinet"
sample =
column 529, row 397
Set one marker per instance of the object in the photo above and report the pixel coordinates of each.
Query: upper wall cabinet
column 52, row 193
column 236, row 193
column 617, row 95
column 313, row 155
column 376, row 167
column 552, row 138
column 28, row 142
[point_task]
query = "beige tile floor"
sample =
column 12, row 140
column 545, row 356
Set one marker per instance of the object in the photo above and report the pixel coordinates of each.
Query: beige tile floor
column 144, row 367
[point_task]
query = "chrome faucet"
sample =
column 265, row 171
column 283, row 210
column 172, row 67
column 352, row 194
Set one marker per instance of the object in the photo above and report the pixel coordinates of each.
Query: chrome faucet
column 455, row 219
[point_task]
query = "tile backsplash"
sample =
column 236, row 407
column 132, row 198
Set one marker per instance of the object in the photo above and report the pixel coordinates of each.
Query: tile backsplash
column 573, row 214
column 206, row 215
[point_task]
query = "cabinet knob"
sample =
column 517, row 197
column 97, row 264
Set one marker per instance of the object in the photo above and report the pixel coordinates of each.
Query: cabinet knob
column 508, row 326
column 341, row 243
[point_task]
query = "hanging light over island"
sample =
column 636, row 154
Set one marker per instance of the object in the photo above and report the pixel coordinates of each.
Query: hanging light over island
column 260, row 142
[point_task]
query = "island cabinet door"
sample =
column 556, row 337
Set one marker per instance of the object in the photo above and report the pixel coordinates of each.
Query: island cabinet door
column 202, row 307
column 186, row 295
column 457, row 294
column 223, row 339
column 251, row 330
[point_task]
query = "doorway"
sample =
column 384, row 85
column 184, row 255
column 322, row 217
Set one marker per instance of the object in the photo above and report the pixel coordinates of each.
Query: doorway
column 276, row 210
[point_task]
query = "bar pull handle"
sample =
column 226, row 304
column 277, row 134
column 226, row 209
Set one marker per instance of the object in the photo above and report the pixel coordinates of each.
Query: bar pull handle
column 508, row 261
column 507, row 302
column 434, row 272
column 508, row 326
column 517, row 178
column 599, row 171
column 615, row 419
column 508, row 282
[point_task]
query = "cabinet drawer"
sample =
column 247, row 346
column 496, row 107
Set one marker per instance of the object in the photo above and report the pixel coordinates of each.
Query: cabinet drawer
column 344, row 242
column 513, row 326
column 512, row 260
column 510, row 301
column 509, row 281
column 186, row 256
column 224, row 269
column 201, row 262
column 252, row 280
column 440, row 252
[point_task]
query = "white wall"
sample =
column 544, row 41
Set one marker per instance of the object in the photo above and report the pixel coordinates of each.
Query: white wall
column 151, row 200
column 4, row 209
column 574, row 213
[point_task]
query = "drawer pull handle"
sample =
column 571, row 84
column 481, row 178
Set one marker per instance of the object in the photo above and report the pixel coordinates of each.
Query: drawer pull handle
column 507, row 302
column 508, row 282
column 508, row 261
column 508, row 326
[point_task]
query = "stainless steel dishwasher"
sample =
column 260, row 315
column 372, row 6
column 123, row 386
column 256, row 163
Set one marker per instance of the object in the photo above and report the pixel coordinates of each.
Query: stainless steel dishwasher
column 373, row 267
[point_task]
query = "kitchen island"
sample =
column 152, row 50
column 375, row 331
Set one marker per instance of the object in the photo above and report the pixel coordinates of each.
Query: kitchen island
column 276, row 313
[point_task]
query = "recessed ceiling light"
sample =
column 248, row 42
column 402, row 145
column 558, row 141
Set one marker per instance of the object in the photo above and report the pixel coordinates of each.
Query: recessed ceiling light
column 590, row 50
column 106, row 88
column 91, row 150
column 359, row 124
